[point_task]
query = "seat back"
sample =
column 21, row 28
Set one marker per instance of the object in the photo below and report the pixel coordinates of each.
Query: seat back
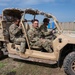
column 27, row 26
column 4, row 30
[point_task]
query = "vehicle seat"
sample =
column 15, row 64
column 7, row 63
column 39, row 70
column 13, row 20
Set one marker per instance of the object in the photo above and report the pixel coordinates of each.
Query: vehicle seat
column 27, row 26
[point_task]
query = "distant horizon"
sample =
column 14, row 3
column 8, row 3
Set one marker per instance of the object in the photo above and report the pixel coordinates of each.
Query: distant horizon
column 63, row 10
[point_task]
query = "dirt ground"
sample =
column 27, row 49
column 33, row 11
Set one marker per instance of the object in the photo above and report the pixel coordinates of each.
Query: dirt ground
column 9, row 66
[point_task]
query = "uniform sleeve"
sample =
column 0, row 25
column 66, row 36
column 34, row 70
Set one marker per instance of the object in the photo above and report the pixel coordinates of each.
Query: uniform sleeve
column 32, row 37
column 14, row 30
column 43, row 32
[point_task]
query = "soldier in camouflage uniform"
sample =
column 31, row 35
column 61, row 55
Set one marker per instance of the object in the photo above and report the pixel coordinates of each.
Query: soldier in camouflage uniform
column 35, row 37
column 44, row 30
column 16, row 34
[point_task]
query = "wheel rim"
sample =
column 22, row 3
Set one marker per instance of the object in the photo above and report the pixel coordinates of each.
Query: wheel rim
column 73, row 66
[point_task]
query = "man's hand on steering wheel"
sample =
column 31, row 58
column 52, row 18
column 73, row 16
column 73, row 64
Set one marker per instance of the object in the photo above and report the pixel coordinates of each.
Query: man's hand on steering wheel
column 53, row 30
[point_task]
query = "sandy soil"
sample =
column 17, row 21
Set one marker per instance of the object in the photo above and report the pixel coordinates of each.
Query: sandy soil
column 8, row 66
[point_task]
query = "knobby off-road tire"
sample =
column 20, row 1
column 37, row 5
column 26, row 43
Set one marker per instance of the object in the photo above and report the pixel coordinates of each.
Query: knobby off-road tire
column 69, row 64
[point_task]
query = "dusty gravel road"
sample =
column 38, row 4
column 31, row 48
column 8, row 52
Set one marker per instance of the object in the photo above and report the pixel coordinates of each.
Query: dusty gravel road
column 8, row 66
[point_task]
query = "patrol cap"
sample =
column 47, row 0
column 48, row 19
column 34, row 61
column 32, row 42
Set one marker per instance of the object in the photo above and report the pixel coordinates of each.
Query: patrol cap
column 46, row 20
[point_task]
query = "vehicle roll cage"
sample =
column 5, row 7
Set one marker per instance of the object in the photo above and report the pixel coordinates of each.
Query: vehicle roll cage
column 33, row 12
column 48, row 15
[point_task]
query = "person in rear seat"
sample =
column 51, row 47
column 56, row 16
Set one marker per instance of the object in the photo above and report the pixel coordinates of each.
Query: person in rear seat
column 16, row 34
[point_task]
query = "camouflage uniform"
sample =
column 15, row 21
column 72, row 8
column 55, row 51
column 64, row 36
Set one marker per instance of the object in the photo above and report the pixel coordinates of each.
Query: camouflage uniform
column 16, row 36
column 35, row 36
column 45, row 32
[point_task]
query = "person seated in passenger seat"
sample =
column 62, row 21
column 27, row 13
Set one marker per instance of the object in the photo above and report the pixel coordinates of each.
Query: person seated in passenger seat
column 35, row 37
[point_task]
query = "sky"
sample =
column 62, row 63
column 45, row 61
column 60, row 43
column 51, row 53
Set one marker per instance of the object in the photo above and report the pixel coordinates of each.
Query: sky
column 64, row 10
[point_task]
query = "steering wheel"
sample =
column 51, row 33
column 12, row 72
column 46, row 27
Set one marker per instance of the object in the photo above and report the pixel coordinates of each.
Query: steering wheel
column 53, row 30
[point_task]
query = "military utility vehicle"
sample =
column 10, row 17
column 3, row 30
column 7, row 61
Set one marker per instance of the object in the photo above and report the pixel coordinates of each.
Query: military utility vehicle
column 62, row 44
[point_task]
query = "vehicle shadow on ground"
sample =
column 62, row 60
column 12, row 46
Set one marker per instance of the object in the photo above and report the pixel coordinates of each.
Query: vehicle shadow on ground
column 11, row 73
column 3, row 57
column 38, row 63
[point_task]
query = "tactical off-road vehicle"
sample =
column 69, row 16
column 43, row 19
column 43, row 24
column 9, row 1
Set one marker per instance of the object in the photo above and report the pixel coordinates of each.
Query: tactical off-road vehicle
column 63, row 44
